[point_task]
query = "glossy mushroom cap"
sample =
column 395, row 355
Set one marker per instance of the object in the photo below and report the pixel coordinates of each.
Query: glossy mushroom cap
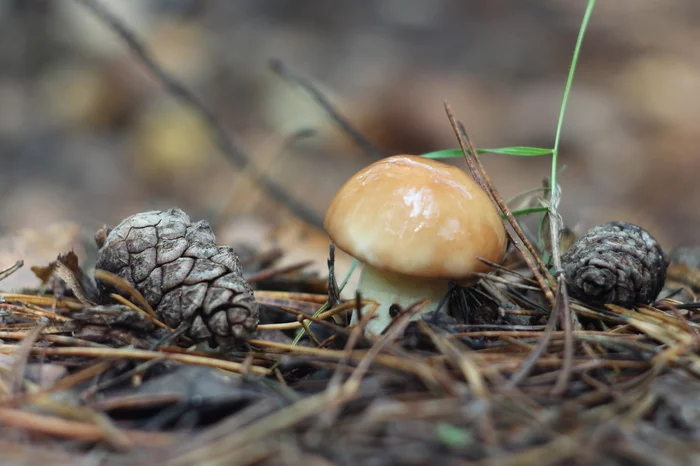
column 416, row 216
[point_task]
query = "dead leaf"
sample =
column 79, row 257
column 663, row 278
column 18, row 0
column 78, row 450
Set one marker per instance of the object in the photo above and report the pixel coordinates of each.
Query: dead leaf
column 38, row 247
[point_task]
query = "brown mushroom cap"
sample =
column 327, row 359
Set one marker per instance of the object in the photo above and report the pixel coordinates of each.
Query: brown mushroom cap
column 416, row 216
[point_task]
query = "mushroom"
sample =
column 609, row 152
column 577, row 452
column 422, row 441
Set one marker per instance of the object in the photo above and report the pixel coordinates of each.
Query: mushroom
column 416, row 224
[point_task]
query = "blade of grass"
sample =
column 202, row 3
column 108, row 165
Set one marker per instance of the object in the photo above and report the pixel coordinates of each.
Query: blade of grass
column 532, row 210
column 567, row 89
column 518, row 151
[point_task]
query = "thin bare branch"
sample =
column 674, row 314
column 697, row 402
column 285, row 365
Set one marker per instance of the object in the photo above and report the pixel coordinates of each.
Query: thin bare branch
column 363, row 143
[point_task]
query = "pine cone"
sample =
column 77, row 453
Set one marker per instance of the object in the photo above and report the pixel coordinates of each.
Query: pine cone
column 615, row 263
column 183, row 274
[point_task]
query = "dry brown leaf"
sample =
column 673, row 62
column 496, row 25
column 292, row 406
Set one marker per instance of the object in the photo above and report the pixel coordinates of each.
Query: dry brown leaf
column 38, row 247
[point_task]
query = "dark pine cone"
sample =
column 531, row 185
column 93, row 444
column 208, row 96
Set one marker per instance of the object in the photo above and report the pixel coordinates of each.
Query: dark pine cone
column 615, row 263
column 183, row 274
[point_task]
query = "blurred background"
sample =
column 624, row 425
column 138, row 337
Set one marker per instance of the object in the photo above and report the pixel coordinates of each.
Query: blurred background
column 88, row 136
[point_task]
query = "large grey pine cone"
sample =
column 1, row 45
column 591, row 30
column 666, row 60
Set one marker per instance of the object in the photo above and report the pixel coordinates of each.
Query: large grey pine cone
column 615, row 263
column 184, row 275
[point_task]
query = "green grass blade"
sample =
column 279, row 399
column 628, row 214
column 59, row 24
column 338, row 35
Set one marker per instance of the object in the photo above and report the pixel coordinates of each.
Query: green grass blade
column 567, row 89
column 519, row 151
column 351, row 270
column 446, row 154
column 532, row 210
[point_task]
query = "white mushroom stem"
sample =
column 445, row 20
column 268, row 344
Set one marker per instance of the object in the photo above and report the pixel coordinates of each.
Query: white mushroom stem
column 387, row 288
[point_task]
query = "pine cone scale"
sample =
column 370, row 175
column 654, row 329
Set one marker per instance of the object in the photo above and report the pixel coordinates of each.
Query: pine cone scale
column 202, row 271
column 142, row 264
column 237, row 315
column 141, row 239
column 153, row 285
column 199, row 331
column 171, row 230
column 167, row 250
